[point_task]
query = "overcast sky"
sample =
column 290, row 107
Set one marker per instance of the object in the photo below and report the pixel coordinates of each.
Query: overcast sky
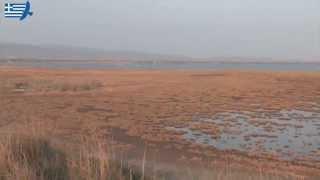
column 198, row 28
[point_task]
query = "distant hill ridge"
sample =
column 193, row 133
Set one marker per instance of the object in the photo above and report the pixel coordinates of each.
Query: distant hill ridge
column 54, row 52
column 24, row 51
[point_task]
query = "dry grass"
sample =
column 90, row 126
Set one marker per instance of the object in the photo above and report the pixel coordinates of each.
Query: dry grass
column 143, row 103
column 27, row 158
column 35, row 158
column 32, row 158
column 43, row 85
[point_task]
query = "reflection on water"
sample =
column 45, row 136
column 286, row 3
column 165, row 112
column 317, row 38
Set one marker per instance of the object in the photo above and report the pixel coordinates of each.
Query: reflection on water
column 288, row 134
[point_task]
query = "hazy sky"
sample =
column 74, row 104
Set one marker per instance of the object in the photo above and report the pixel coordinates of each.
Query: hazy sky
column 198, row 28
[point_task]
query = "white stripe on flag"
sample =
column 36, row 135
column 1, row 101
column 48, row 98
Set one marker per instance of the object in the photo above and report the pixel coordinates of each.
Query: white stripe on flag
column 14, row 12
column 12, row 15
column 19, row 6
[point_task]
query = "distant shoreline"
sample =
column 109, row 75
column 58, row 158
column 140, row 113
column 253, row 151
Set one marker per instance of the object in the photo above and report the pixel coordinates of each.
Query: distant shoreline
column 156, row 61
column 160, row 65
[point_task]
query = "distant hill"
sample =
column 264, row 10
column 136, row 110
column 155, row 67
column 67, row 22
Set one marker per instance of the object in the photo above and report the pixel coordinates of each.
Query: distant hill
column 47, row 52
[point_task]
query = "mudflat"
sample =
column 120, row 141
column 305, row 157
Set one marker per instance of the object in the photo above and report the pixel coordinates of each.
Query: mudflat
column 247, row 119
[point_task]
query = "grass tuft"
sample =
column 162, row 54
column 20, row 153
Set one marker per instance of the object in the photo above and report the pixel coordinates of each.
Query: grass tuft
column 30, row 158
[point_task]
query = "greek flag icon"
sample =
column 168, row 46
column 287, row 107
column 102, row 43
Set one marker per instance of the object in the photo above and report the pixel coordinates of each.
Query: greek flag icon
column 17, row 10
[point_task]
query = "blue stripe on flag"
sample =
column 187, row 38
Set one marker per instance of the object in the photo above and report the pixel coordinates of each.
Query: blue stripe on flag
column 13, row 13
column 18, row 4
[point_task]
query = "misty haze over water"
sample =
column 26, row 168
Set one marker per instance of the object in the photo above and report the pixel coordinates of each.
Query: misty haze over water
column 63, row 57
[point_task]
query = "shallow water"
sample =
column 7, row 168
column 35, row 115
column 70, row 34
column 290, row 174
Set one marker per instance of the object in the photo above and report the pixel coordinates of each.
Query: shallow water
column 288, row 134
column 77, row 64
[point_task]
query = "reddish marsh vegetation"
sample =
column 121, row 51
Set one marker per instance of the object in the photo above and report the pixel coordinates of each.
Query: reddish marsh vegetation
column 131, row 111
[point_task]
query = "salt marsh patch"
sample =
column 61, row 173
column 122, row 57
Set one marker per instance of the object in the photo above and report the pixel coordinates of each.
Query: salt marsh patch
column 287, row 134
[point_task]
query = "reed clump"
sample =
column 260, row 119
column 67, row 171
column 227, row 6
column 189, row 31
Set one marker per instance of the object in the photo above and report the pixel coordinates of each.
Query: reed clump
column 33, row 158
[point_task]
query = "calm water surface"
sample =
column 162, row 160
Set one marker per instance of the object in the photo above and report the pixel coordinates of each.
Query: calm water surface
column 72, row 64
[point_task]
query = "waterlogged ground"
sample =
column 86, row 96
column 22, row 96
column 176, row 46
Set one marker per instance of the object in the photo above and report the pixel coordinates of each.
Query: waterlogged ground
column 287, row 134
column 267, row 121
